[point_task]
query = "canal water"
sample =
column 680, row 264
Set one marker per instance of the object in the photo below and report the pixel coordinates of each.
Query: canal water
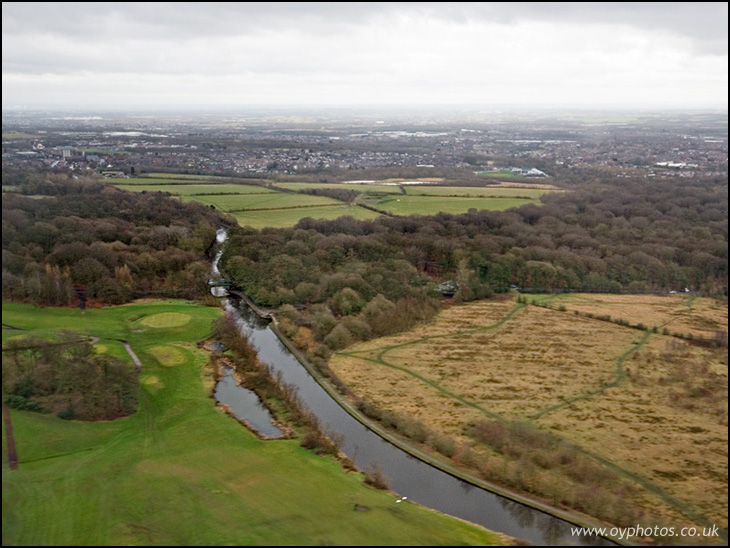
column 245, row 405
column 406, row 475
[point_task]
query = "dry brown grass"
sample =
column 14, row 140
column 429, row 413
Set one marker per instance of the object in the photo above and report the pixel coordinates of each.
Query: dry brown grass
column 683, row 314
column 536, row 360
column 665, row 421
column 452, row 319
column 395, row 390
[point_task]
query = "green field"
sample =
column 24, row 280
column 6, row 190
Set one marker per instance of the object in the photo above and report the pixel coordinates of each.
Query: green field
column 289, row 217
column 177, row 180
column 187, row 176
column 188, row 189
column 430, row 205
column 261, row 207
column 386, row 189
column 179, row 472
column 504, row 175
column 486, row 192
column 274, row 200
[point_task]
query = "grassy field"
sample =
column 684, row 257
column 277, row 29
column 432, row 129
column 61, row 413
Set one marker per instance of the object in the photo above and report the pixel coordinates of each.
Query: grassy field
column 650, row 407
column 252, row 205
column 171, row 181
column 486, row 192
column 429, row 190
column 667, row 422
column 431, row 205
column 274, row 200
column 684, row 314
column 180, row 472
column 386, row 189
column 186, row 176
column 188, row 189
column 503, row 175
column 261, row 207
column 280, row 218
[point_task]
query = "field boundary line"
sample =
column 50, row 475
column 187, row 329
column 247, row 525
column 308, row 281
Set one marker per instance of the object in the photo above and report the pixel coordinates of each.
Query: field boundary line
column 432, row 384
column 380, row 360
column 338, row 204
column 385, row 349
column 620, row 376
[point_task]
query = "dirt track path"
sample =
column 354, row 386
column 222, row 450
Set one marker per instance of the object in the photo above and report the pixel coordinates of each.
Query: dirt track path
column 132, row 355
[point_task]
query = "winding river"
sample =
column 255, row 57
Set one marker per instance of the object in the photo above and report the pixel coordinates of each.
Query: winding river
column 407, row 476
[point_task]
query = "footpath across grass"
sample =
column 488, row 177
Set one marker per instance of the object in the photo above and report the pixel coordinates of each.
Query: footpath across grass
column 179, row 472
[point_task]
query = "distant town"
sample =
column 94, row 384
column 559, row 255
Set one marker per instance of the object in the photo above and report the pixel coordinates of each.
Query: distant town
column 683, row 145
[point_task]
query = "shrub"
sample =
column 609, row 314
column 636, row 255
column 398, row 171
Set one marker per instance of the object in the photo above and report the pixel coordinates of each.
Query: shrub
column 443, row 444
column 339, row 338
column 323, row 323
column 374, row 477
column 20, row 402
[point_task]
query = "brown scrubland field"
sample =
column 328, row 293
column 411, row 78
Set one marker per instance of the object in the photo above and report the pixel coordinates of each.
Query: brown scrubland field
column 637, row 414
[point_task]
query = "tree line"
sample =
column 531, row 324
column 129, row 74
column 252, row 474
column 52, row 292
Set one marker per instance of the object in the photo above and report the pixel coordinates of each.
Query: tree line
column 80, row 236
column 346, row 280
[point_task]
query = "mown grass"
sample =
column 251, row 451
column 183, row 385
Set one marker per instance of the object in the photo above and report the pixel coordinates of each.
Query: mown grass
column 504, row 175
column 289, row 217
column 484, row 192
column 155, row 181
column 364, row 187
column 274, row 200
column 179, row 472
column 261, row 207
column 187, row 189
column 188, row 176
column 428, row 205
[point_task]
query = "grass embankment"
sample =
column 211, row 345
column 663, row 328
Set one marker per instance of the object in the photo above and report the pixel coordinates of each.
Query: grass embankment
column 569, row 408
column 179, row 472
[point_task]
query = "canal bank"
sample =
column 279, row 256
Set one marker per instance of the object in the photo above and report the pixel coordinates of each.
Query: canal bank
column 410, row 472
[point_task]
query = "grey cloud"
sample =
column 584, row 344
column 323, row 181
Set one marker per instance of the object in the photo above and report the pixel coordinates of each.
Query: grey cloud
column 320, row 48
column 180, row 20
column 703, row 22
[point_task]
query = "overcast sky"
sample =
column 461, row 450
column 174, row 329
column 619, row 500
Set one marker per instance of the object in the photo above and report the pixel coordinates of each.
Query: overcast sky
column 133, row 55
